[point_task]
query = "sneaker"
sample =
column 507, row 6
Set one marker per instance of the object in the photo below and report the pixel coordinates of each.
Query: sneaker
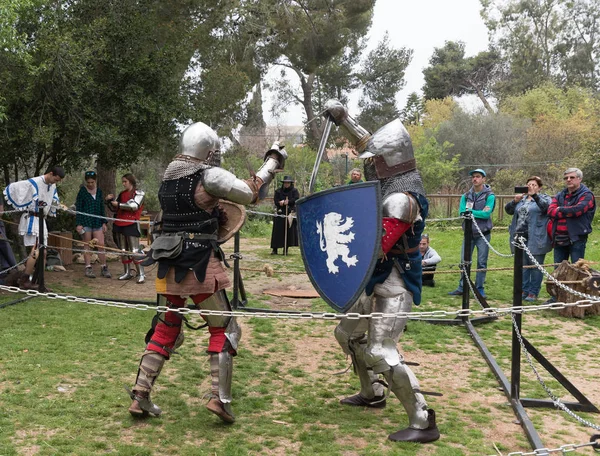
column 482, row 292
column 531, row 297
column 105, row 272
column 89, row 272
column 524, row 295
column 551, row 300
column 456, row 293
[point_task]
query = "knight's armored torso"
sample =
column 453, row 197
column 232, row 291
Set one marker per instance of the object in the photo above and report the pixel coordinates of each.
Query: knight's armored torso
column 180, row 211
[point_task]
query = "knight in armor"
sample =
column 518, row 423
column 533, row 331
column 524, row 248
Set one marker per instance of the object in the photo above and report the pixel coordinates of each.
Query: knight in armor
column 396, row 281
column 128, row 208
column 189, row 262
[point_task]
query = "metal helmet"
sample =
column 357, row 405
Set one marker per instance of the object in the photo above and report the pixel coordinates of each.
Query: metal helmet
column 199, row 141
column 391, row 150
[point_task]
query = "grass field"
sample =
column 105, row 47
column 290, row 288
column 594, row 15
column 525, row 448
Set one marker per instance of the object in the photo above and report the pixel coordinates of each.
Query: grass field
column 63, row 366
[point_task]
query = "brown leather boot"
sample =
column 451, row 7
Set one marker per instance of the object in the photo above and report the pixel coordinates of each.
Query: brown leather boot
column 429, row 434
column 141, row 405
column 220, row 409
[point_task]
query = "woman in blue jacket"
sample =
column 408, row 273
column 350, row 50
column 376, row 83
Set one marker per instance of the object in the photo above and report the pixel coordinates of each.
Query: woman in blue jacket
column 530, row 217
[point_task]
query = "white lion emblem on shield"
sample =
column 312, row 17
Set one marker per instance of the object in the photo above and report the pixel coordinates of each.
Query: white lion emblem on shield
column 333, row 241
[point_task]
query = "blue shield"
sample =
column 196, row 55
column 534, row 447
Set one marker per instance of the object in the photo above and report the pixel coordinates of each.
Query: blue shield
column 340, row 237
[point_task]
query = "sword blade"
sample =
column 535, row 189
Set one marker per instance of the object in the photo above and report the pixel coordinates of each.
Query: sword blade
column 324, row 138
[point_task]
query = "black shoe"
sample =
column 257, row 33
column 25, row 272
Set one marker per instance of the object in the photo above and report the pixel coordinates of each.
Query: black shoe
column 429, row 434
column 360, row 401
column 274, row 252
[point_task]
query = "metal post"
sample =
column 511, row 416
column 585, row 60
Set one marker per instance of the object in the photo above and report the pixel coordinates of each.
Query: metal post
column 515, row 374
column 346, row 156
column 468, row 239
column 40, row 264
column 236, row 270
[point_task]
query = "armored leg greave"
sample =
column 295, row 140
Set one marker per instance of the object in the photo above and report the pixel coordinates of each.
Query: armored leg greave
column 137, row 257
column 150, row 366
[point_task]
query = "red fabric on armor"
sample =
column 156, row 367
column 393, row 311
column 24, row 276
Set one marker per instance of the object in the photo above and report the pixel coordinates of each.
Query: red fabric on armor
column 126, row 260
column 164, row 334
column 217, row 340
column 393, row 231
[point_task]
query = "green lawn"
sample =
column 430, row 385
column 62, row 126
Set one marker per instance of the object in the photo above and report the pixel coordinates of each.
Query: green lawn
column 64, row 364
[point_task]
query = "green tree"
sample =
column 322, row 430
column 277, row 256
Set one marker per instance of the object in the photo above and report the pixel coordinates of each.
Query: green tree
column 545, row 41
column 451, row 74
column 381, row 78
column 488, row 140
column 317, row 42
column 413, row 110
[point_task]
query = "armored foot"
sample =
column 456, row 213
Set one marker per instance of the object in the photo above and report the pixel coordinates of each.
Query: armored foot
column 221, row 409
column 360, row 401
column 429, row 434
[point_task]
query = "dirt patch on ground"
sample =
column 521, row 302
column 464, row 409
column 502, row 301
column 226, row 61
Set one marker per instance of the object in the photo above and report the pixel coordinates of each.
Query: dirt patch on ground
column 448, row 374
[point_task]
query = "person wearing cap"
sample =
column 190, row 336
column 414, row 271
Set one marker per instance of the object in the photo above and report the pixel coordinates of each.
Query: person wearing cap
column 285, row 228
column 430, row 260
column 91, row 223
column 480, row 201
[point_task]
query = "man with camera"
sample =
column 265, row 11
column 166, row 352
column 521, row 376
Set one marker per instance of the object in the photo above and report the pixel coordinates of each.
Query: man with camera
column 480, row 201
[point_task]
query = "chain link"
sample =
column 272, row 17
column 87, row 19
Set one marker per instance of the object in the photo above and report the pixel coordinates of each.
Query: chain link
column 15, row 266
column 470, row 216
column 556, row 400
column 310, row 315
column 567, row 448
column 521, row 244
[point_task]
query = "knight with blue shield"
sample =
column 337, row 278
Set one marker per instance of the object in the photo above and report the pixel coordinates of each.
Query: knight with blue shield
column 396, row 281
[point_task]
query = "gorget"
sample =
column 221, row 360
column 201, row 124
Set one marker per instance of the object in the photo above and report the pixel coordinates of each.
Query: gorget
column 181, row 167
column 407, row 182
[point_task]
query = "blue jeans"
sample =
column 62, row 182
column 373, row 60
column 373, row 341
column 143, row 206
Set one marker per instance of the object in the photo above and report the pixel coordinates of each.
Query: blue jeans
column 482, row 256
column 576, row 250
column 532, row 278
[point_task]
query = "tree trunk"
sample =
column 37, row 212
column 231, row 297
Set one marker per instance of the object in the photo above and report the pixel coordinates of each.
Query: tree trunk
column 481, row 96
column 314, row 132
column 107, row 175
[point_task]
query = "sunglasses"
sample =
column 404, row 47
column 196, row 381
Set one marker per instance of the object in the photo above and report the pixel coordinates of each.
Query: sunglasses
column 90, row 174
column 570, row 177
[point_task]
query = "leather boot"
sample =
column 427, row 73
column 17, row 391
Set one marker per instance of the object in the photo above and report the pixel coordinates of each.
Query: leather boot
column 220, row 409
column 142, row 406
column 429, row 434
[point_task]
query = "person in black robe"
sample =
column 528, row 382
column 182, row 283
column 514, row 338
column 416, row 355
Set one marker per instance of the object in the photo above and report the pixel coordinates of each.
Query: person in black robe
column 285, row 204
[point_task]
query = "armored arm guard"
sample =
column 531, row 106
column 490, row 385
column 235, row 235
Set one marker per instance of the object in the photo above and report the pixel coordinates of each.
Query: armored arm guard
column 223, row 184
column 134, row 203
column 338, row 113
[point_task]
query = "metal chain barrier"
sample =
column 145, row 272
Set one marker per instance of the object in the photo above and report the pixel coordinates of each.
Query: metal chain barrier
column 468, row 282
column 521, row 244
column 562, row 449
column 74, row 212
column 485, row 240
column 311, row 315
column 15, row 266
column 557, row 402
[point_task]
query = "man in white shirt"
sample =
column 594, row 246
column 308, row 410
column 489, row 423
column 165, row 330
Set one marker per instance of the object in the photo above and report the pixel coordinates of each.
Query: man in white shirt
column 429, row 261
column 31, row 196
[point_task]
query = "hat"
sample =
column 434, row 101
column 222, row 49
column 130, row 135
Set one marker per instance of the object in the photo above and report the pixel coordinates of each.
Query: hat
column 478, row 170
column 287, row 179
